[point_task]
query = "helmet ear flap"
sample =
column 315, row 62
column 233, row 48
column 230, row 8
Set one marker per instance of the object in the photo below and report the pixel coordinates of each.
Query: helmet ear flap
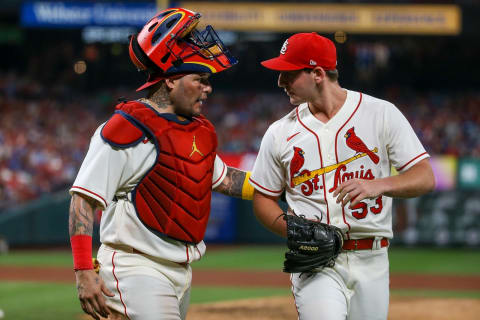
column 139, row 58
column 131, row 52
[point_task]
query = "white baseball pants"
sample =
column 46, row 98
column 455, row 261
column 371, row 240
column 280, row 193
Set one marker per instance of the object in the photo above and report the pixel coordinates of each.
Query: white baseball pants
column 145, row 288
column 356, row 288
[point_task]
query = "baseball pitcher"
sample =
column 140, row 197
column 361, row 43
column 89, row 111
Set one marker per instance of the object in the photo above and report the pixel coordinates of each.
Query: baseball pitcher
column 332, row 155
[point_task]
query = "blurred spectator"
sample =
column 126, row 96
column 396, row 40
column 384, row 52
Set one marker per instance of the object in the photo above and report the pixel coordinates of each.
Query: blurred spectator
column 42, row 140
column 48, row 113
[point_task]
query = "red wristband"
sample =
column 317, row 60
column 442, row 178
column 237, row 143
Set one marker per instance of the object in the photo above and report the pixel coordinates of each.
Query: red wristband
column 82, row 251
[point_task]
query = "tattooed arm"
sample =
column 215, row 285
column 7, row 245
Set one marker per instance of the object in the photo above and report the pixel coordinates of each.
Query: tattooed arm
column 233, row 183
column 89, row 284
column 82, row 211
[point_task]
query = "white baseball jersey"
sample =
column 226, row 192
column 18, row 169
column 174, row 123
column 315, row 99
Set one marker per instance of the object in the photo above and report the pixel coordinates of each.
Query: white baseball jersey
column 310, row 159
column 108, row 172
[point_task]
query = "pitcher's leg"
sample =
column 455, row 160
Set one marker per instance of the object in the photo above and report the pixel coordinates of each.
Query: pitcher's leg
column 319, row 296
column 371, row 287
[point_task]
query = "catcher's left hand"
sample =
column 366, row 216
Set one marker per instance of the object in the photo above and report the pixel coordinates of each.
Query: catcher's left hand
column 312, row 244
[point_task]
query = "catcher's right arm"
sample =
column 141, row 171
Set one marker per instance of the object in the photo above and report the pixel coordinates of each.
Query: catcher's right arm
column 312, row 244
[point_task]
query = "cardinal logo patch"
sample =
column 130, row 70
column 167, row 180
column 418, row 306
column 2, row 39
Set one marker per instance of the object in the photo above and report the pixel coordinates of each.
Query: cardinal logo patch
column 356, row 144
column 296, row 164
column 310, row 179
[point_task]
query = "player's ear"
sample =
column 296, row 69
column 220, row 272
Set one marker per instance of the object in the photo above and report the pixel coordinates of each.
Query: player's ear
column 319, row 74
column 171, row 83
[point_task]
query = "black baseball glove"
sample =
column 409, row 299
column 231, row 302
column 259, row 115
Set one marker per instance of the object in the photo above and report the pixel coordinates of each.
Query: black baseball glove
column 312, row 244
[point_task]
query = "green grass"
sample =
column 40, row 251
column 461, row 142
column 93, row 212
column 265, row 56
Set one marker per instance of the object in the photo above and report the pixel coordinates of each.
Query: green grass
column 435, row 294
column 40, row 301
column 402, row 260
column 435, row 261
column 37, row 258
column 35, row 301
column 245, row 258
column 58, row 301
column 202, row 294
column 254, row 257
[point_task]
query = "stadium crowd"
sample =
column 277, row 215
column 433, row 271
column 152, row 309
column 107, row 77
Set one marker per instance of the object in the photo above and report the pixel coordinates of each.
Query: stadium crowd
column 49, row 112
column 42, row 140
column 241, row 120
column 43, row 137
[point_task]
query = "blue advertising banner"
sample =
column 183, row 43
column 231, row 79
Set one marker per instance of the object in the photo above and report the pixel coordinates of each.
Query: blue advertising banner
column 222, row 222
column 81, row 14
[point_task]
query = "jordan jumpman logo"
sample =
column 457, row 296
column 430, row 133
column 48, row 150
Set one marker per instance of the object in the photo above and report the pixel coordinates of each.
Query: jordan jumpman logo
column 194, row 148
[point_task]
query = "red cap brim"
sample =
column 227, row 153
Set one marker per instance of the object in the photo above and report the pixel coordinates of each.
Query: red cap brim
column 280, row 65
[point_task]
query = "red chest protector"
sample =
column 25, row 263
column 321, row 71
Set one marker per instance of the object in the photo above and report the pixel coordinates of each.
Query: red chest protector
column 173, row 198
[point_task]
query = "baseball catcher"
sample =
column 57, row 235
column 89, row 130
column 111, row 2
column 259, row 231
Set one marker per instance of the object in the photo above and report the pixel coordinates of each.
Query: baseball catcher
column 312, row 244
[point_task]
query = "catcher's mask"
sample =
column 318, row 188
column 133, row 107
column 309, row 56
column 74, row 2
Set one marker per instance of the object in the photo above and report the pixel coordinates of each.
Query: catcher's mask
column 169, row 44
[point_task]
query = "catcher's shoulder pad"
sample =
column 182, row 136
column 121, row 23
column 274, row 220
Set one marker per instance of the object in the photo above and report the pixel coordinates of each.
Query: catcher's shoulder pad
column 205, row 122
column 121, row 132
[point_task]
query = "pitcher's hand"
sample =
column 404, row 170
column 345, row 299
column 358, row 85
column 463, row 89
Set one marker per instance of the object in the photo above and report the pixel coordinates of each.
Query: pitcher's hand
column 356, row 190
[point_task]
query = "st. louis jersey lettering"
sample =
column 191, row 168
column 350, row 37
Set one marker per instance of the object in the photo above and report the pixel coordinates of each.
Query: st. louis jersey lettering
column 310, row 159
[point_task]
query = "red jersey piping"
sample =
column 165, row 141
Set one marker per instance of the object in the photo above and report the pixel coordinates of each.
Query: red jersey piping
column 321, row 163
column 336, row 156
column 118, row 289
column 406, row 164
column 95, row 194
column 221, row 175
column 263, row 188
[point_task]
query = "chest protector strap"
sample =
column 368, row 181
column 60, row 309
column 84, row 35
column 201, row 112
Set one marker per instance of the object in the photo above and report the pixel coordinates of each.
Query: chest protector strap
column 173, row 198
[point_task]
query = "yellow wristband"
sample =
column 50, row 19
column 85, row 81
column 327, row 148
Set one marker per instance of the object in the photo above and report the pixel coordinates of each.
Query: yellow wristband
column 247, row 189
column 96, row 265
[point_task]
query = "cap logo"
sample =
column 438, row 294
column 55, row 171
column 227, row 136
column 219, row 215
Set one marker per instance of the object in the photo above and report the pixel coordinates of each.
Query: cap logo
column 313, row 63
column 284, row 47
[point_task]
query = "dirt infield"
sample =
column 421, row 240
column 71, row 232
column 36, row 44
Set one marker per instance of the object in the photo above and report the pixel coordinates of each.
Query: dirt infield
column 250, row 278
column 282, row 308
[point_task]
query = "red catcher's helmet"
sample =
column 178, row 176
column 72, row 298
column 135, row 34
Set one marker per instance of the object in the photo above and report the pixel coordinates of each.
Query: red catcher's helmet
column 169, row 44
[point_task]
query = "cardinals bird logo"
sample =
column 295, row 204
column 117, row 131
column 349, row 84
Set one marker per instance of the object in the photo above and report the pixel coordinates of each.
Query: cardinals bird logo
column 297, row 163
column 356, row 144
